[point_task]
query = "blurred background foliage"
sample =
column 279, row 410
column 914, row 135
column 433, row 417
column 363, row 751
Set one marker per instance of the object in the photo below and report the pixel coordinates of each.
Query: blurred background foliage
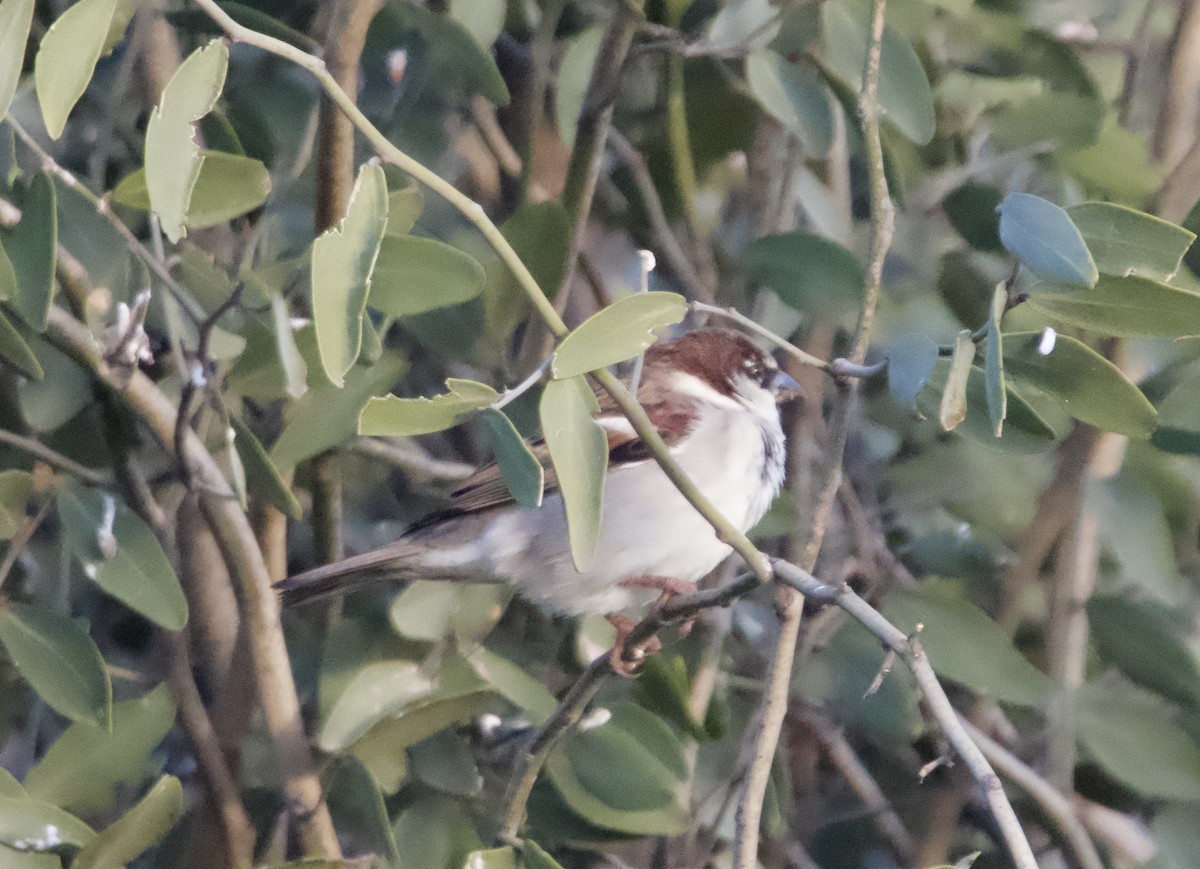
column 1051, row 571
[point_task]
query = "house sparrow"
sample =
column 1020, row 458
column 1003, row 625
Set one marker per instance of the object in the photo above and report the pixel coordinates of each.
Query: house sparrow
column 712, row 394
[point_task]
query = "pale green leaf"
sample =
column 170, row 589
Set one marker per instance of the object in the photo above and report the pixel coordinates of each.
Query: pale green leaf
column 742, row 25
column 15, row 18
column 414, row 275
column 404, row 207
column 808, row 272
column 993, row 360
column 1121, row 306
column 84, row 765
column 137, row 830
column 173, row 159
column 15, row 489
column 520, row 470
column 579, row 450
column 1120, row 162
column 953, row 409
column 1146, row 642
column 64, row 390
column 616, row 333
column 1090, row 387
column 8, row 278
column 1124, row 241
column 401, row 417
column 444, row 761
column 379, row 690
column 227, row 186
column 540, row 233
column 342, row 260
column 517, row 686
column 575, row 73
column 16, row 352
column 494, row 858
column 795, row 95
column 32, row 825
column 59, row 660
column 483, row 19
column 67, row 58
column 263, row 478
column 535, row 857
column 1042, row 236
column 295, row 370
column 120, row 553
column 32, row 247
column 357, row 807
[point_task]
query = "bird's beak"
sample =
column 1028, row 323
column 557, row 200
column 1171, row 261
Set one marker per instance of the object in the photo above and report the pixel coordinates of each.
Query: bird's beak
column 784, row 386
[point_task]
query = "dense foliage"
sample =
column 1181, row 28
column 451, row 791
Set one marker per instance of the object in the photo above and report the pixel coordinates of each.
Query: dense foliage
column 241, row 335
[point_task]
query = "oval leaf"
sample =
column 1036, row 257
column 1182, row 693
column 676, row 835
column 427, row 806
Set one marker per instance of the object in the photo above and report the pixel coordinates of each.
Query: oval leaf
column 173, row 160
column 910, row 362
column 809, row 273
column 794, row 95
column 342, row 260
column 401, row 417
column 1042, row 236
column 57, row 657
column 953, row 408
column 616, row 333
column 579, row 451
column 1144, row 641
column 993, row 361
column 31, row 825
column 414, row 275
column 228, row 186
column 120, row 553
column 15, row 18
column 137, row 830
column 520, row 470
column 32, row 247
column 1122, row 306
column 15, row 489
column 1090, row 387
column 264, row 479
column 379, row 690
column 67, row 58
column 16, row 352
column 1124, row 241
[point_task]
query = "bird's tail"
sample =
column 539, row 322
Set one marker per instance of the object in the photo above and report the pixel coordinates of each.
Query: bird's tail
column 400, row 560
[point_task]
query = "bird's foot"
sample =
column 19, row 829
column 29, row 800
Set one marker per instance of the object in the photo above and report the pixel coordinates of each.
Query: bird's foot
column 671, row 587
column 626, row 659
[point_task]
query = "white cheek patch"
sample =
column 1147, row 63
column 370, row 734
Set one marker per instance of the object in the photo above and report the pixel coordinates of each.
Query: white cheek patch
column 690, row 384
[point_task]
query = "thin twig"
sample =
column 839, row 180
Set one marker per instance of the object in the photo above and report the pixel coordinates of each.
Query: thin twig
column 411, row 459
column 742, row 320
column 39, row 450
column 19, row 540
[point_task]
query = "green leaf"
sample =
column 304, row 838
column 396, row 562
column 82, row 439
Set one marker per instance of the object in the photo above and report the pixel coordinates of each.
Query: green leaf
column 444, row 761
column 227, row 186
column 326, row 415
column 120, row 553
column 64, row 390
column 295, row 370
column 1069, row 120
column 81, row 768
column 414, row 275
column 1119, row 162
column 67, row 58
column 173, row 159
column 535, row 857
column 437, row 832
column 357, row 807
column 1134, row 531
column 1121, row 306
column 1134, row 735
column 32, row 825
column 8, row 278
column 494, row 858
column 993, row 360
column 342, row 260
column 57, row 657
column 520, row 470
column 809, row 273
column 16, row 16
column 404, row 207
column 971, row 210
column 1145, row 643
column 32, row 247
column 905, row 97
column 15, row 489
column 379, row 690
column 16, row 352
column 1128, row 242
column 910, row 362
column 624, row 774
column 795, row 95
column 575, row 73
column 1042, row 236
column 540, row 233
column 953, row 408
column 1090, row 387
column 964, row 645
column 517, row 686
column 401, row 417
column 579, row 450
column 616, row 333
column 743, row 24
column 264, row 479
column 422, row 610
column 137, row 830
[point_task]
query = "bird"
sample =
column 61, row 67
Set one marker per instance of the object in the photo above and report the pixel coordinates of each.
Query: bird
column 712, row 394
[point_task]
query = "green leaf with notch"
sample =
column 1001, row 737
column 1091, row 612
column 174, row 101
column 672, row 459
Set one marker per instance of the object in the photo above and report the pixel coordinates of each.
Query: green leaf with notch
column 59, row 660
column 342, row 261
column 173, row 159
column 1121, row 306
column 520, row 469
column 1124, row 241
column 616, row 333
column 1042, row 236
column 414, row 275
column 402, row 417
column 120, row 553
column 579, row 450
column 1091, row 388
column 137, row 830
column 67, row 59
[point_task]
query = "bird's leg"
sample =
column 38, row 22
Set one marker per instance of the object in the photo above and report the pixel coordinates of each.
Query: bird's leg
column 636, row 654
column 670, row 587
